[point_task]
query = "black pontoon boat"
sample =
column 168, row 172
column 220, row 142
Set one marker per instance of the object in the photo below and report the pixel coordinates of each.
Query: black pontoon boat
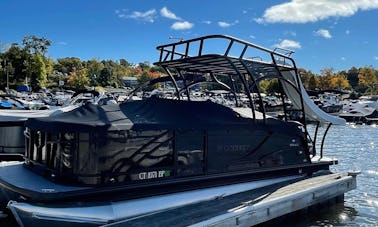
column 98, row 156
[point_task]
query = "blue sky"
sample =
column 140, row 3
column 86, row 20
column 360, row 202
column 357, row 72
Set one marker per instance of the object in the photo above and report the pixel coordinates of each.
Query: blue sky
column 334, row 34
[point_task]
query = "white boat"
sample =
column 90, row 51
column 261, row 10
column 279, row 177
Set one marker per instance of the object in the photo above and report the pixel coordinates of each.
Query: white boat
column 12, row 139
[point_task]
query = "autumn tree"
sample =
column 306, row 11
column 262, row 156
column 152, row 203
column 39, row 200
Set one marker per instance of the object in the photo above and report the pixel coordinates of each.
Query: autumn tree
column 368, row 78
column 339, row 81
column 78, row 78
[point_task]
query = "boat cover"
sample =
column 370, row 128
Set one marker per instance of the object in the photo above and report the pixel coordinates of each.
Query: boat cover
column 9, row 117
column 148, row 114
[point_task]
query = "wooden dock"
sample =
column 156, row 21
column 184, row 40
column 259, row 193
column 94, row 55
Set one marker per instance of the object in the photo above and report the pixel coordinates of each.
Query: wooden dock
column 251, row 207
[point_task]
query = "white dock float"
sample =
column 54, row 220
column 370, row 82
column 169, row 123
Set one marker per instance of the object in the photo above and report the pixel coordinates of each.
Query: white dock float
column 285, row 200
column 252, row 207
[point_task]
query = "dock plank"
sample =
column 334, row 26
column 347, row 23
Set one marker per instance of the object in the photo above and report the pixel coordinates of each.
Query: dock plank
column 251, row 207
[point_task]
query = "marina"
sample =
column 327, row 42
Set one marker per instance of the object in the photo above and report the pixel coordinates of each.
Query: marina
column 142, row 151
column 188, row 113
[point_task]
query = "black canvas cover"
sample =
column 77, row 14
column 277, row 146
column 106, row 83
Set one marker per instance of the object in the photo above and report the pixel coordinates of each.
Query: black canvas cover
column 148, row 114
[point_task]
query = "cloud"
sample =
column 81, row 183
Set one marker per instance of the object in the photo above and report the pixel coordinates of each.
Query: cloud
column 323, row 33
column 223, row 24
column 62, row 43
column 182, row 25
column 347, row 32
column 343, row 58
column 292, row 33
column 121, row 13
column 148, row 16
column 164, row 12
column 151, row 15
column 259, row 20
column 376, row 58
column 304, row 11
column 287, row 44
column 206, row 22
column 226, row 25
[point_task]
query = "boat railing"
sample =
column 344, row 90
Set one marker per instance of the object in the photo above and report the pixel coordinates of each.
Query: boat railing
column 263, row 60
column 197, row 47
column 265, row 63
column 238, row 57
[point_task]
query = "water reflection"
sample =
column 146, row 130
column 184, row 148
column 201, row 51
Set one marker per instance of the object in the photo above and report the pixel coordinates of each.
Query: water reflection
column 338, row 214
column 335, row 215
column 355, row 146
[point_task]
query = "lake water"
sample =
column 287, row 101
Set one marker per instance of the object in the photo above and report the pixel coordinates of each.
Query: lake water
column 356, row 148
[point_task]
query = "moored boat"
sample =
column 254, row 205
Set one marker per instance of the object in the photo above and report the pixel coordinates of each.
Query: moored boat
column 106, row 158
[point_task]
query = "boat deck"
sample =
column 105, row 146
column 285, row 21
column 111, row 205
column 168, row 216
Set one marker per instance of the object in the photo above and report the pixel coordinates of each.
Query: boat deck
column 251, row 207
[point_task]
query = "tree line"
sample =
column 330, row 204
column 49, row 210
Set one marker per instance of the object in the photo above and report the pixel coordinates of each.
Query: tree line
column 27, row 63
column 362, row 80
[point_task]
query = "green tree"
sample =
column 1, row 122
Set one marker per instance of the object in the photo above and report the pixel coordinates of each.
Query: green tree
column 50, row 79
column 94, row 68
column 144, row 78
column 37, row 71
column 145, row 65
column 308, row 79
column 16, row 57
column 35, row 45
column 35, row 66
column 112, row 75
column 263, row 86
column 8, row 71
column 273, row 87
column 312, row 83
column 157, row 69
column 124, row 63
column 352, row 76
column 104, row 77
column 66, row 65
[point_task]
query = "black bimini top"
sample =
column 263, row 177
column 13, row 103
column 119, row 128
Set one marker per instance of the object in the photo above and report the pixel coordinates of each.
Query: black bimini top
column 148, row 114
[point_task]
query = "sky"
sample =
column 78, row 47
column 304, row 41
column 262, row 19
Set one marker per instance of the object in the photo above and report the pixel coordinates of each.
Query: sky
column 337, row 34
